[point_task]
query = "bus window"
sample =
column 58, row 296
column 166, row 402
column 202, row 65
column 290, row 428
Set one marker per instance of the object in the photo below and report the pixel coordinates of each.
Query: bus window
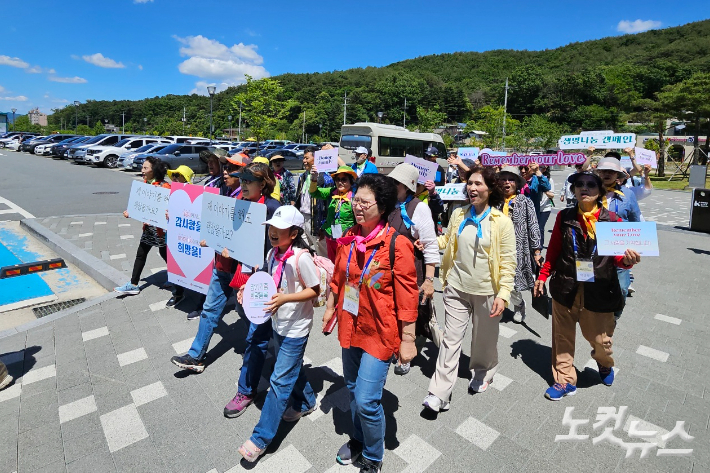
column 353, row 141
column 400, row 147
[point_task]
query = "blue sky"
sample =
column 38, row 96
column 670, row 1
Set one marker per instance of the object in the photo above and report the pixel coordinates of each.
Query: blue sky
column 54, row 53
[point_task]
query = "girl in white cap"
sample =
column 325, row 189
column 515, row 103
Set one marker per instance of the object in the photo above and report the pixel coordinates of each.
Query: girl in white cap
column 298, row 282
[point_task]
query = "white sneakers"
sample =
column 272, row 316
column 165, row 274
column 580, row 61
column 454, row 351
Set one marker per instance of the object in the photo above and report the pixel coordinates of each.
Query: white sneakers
column 435, row 404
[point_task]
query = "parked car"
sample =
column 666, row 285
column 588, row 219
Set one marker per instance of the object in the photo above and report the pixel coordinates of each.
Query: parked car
column 297, row 148
column 56, row 148
column 17, row 140
column 78, row 153
column 293, row 161
column 62, row 149
column 49, row 139
column 43, row 147
column 176, row 155
column 107, row 155
column 25, row 146
column 125, row 161
column 13, row 136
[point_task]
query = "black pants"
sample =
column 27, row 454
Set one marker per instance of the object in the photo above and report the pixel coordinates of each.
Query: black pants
column 139, row 264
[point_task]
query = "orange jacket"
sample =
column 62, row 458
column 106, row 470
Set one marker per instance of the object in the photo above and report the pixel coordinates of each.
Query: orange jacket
column 384, row 302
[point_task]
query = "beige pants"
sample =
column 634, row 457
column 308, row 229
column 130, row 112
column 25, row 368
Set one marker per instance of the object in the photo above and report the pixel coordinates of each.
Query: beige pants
column 597, row 328
column 318, row 245
column 459, row 307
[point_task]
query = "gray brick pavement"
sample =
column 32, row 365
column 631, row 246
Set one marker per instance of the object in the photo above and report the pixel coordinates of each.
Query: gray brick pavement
column 170, row 422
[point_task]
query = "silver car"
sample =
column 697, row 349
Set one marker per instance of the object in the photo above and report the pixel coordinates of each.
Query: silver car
column 125, row 161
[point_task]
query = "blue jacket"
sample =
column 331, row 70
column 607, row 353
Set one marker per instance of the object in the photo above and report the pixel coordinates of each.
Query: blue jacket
column 626, row 207
column 370, row 168
column 536, row 187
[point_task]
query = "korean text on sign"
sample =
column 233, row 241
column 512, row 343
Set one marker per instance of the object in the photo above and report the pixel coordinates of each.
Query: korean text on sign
column 148, row 203
column 235, row 225
column 614, row 141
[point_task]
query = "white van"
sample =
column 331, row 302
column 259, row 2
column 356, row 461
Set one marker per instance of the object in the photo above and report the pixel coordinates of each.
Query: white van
column 108, row 155
column 389, row 144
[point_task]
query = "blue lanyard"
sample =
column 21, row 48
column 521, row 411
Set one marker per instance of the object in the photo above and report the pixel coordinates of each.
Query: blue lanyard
column 403, row 212
column 365, row 269
column 574, row 242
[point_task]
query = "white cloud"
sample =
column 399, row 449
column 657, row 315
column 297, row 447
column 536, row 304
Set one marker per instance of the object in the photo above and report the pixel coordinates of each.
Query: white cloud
column 2, row 88
column 52, row 71
column 140, row 67
column 60, row 101
column 210, row 59
column 33, row 70
column 142, row 1
column 68, row 80
column 100, row 60
column 19, row 98
column 637, row 26
column 13, row 61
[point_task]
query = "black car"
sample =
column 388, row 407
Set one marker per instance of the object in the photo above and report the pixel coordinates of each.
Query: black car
column 60, row 148
column 293, row 161
column 48, row 140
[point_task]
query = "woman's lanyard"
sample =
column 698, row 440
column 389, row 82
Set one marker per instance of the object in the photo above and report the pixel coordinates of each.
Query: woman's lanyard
column 337, row 207
column 365, row 270
column 211, row 183
column 236, row 192
column 574, row 243
column 271, row 267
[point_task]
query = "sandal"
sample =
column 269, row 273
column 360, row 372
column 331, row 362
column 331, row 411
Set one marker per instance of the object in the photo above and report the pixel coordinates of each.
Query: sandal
column 250, row 452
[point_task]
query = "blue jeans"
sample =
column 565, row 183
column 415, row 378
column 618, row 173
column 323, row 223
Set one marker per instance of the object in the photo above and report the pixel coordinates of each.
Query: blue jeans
column 217, row 295
column 288, row 380
column 624, row 281
column 365, row 378
column 254, row 356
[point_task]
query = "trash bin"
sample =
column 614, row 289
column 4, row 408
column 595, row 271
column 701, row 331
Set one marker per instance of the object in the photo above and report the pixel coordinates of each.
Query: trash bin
column 700, row 211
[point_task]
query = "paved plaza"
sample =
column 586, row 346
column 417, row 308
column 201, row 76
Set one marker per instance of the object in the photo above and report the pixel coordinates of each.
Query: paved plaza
column 95, row 390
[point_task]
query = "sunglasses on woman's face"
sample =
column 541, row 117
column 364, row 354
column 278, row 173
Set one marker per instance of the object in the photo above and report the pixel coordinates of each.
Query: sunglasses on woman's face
column 582, row 184
column 231, row 167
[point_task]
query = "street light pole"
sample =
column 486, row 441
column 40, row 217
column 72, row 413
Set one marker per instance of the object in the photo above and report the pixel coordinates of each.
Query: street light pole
column 211, row 90
column 145, row 125
column 379, row 117
column 76, row 115
column 13, row 119
column 229, row 117
column 239, row 130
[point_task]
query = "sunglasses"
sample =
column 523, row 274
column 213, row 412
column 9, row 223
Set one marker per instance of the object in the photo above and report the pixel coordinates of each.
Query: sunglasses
column 231, row 167
column 582, row 184
column 341, row 179
column 509, row 179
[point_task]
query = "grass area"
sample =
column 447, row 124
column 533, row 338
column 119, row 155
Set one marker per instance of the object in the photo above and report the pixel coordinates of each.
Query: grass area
column 677, row 183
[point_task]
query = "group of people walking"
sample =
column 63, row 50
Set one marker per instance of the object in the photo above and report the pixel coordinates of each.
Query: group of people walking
column 383, row 236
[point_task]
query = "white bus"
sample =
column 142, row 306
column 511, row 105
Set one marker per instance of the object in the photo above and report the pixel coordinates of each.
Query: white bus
column 389, row 144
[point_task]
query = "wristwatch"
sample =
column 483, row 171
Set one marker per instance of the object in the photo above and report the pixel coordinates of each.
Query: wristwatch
column 429, row 278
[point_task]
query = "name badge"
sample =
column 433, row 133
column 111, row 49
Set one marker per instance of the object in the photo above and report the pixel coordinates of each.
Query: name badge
column 336, row 230
column 585, row 270
column 351, row 299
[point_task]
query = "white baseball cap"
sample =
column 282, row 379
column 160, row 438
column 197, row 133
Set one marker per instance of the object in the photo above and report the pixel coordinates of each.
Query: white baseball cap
column 286, row 216
column 360, row 150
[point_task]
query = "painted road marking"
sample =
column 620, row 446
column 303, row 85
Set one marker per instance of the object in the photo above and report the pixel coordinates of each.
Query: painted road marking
column 16, row 208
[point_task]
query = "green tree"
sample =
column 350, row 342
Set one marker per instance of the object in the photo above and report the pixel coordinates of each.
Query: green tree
column 98, row 128
column 689, row 97
column 261, row 105
column 490, row 120
column 429, row 119
column 653, row 114
column 537, row 131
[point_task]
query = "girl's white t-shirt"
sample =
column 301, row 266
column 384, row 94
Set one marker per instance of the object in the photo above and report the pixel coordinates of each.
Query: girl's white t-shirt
column 294, row 319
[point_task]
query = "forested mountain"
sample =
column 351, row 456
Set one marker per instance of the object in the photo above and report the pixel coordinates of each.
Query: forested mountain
column 585, row 85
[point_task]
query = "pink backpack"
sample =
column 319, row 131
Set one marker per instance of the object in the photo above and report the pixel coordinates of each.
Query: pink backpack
column 326, row 268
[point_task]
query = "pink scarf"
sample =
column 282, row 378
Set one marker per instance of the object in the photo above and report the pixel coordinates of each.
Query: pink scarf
column 359, row 240
column 279, row 268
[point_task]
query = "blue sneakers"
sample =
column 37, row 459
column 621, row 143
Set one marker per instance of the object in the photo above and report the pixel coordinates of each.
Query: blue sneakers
column 557, row 391
column 128, row 288
column 606, row 374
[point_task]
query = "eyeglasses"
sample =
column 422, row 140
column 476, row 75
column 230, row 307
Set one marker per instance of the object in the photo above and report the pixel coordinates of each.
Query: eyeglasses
column 509, row 179
column 363, row 204
column 231, row 167
column 582, row 184
column 341, row 179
